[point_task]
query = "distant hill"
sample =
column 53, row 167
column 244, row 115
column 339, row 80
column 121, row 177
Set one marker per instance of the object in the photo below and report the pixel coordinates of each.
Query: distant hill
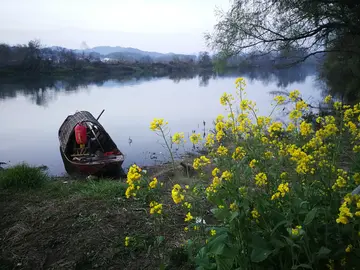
column 133, row 54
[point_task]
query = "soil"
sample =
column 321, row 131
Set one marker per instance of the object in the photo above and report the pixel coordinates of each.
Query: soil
column 40, row 232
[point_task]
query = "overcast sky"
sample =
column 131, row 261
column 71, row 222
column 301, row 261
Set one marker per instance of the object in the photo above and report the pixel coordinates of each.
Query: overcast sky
column 153, row 25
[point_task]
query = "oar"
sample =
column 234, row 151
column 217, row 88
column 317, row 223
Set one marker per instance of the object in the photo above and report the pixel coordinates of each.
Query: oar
column 100, row 114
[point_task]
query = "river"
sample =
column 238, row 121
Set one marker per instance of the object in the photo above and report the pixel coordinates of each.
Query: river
column 31, row 113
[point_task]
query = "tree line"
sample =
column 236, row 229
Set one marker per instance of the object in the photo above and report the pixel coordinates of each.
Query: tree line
column 33, row 58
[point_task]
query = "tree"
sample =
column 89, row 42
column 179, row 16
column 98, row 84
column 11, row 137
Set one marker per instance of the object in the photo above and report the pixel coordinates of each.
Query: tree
column 265, row 26
column 204, row 60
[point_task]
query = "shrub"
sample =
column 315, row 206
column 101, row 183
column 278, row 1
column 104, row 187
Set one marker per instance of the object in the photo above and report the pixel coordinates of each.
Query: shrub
column 280, row 194
column 22, row 176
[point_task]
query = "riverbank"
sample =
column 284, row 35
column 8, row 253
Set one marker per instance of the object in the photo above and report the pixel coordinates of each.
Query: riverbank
column 82, row 224
column 110, row 69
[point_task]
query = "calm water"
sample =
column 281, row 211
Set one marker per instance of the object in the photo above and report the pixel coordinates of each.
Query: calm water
column 30, row 115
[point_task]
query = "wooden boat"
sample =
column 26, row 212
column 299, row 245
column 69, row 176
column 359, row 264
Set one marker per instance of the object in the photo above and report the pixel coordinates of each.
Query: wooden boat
column 99, row 156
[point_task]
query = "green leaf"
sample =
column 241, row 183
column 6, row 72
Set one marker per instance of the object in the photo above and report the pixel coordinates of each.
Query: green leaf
column 233, row 216
column 301, row 266
column 224, row 263
column 278, row 225
column 310, row 216
column 323, row 252
column 260, row 249
column 258, row 242
column 259, row 254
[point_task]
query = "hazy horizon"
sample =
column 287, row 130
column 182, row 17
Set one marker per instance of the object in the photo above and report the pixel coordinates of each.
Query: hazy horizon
column 161, row 26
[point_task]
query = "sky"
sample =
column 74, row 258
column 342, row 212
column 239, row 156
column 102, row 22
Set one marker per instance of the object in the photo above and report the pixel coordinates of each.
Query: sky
column 152, row 25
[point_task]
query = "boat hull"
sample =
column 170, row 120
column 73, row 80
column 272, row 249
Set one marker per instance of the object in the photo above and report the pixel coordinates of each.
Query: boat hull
column 107, row 168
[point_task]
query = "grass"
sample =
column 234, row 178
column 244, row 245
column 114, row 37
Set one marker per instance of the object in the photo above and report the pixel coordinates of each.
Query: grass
column 22, row 176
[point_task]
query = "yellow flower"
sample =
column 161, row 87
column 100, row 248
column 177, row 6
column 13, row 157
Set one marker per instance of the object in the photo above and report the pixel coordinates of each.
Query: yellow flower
column 233, row 206
column 195, row 138
column 261, row 179
column 244, row 105
column 296, row 231
column 295, row 114
column 327, row 98
column 341, row 180
column 212, row 232
column 283, row 175
column 345, row 213
column 348, row 248
column 255, row 214
column 305, row 128
column 187, row 205
column 301, row 105
column 188, row 217
column 153, row 183
column 357, row 178
column 215, row 172
column 283, row 189
column 127, row 241
column 356, row 148
column 252, row 163
column 239, row 153
column 294, row 95
column 291, row 127
column 158, row 124
column 240, row 83
column 226, row 99
column 200, row 162
column 280, row 99
column 337, row 105
column 133, row 177
column 222, row 151
column 186, row 229
column 176, row 194
column 227, row 175
column 275, row 127
column 187, row 186
column 155, row 208
column 210, row 140
column 275, row 196
column 196, row 228
column 268, row 154
column 178, row 138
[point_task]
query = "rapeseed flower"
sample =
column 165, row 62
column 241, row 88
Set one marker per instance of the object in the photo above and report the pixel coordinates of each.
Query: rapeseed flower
column 226, row 99
column 178, row 138
column 200, row 162
column 255, row 214
column 155, row 208
column 280, row 99
column 227, row 175
column 222, row 151
column 261, row 179
column 188, row 217
column 252, row 163
column 176, row 194
column 157, row 124
column 239, row 153
column 153, row 183
column 195, row 138
column 294, row 95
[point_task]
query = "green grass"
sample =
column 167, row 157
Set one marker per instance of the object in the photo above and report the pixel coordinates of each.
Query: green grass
column 22, row 176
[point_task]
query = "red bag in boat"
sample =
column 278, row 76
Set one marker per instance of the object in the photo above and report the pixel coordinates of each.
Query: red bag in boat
column 80, row 134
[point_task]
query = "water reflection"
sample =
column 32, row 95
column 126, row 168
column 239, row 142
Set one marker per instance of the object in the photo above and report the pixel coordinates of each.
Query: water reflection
column 43, row 90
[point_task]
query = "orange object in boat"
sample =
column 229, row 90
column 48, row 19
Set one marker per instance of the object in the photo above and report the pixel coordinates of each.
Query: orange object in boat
column 80, row 134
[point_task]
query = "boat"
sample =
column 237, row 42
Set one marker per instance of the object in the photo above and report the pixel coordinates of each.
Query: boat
column 87, row 149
